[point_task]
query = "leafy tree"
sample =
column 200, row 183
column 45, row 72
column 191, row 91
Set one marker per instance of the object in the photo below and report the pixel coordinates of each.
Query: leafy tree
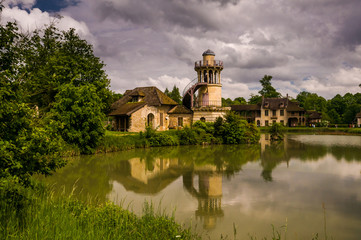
column 311, row 101
column 334, row 117
column 255, row 99
column 350, row 113
column 26, row 147
column 338, row 104
column 48, row 58
column 267, row 90
column 276, row 131
column 234, row 130
column 78, row 111
column 174, row 94
column 239, row 100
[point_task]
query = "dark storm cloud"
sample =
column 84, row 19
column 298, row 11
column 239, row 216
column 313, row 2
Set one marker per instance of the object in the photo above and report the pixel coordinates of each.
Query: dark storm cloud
column 290, row 40
column 158, row 14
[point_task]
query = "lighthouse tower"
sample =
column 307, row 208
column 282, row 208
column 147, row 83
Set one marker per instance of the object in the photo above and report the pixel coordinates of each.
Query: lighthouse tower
column 209, row 78
column 204, row 94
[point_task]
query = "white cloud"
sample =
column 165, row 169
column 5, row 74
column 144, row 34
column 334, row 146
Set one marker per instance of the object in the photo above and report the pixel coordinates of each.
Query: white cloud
column 23, row 3
column 33, row 19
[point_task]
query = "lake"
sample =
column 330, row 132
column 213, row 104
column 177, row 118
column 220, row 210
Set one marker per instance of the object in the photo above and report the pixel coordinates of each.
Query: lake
column 305, row 185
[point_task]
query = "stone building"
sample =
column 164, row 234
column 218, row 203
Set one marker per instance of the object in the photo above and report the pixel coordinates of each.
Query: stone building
column 272, row 110
column 148, row 106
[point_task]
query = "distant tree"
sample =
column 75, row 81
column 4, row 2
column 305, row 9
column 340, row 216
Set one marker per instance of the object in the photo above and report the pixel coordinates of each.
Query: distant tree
column 239, row 100
column 255, row 99
column 267, row 90
column 226, row 102
column 311, row 101
column 174, row 94
column 334, row 116
column 350, row 113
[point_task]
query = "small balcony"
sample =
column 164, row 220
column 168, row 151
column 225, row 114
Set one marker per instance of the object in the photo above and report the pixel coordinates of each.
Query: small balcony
column 214, row 63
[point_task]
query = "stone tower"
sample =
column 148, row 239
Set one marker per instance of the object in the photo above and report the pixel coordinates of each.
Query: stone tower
column 209, row 76
column 204, row 94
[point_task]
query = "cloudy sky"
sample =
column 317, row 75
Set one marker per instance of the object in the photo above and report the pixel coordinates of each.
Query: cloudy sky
column 306, row 45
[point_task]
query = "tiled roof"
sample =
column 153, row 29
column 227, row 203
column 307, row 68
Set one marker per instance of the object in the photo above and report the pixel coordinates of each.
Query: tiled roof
column 246, row 107
column 152, row 97
column 127, row 109
column 281, row 103
column 180, row 109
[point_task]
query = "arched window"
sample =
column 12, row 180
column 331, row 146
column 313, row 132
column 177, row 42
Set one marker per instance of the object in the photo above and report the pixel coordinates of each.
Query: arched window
column 258, row 123
column 205, row 76
column 210, row 76
column 150, row 119
column 203, row 119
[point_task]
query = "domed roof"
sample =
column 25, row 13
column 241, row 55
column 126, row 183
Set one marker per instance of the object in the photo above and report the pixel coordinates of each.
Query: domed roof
column 208, row 52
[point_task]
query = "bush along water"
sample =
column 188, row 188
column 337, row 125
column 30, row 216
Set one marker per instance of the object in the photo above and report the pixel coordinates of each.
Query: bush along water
column 277, row 132
column 230, row 130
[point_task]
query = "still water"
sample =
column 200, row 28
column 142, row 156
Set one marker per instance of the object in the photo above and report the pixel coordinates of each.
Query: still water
column 216, row 189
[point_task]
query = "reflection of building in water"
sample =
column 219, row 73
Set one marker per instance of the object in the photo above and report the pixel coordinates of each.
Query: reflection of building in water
column 208, row 194
column 143, row 171
column 148, row 176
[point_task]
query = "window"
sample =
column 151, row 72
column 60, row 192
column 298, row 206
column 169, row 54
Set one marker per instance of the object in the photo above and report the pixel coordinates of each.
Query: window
column 180, row 121
column 273, row 121
column 266, row 112
column 266, row 123
column 282, row 122
column 274, row 113
column 258, row 123
column 300, row 114
column 150, row 119
column 161, row 119
column 282, row 112
column 203, row 119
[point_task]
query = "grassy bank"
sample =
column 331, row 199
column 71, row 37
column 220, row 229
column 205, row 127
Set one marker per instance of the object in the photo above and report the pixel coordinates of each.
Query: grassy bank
column 321, row 130
column 40, row 215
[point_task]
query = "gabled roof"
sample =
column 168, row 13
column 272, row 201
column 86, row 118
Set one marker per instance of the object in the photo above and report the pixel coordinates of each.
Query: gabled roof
column 152, row 96
column 180, row 109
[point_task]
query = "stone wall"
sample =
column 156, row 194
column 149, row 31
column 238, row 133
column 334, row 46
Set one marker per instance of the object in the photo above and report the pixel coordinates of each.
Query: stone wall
column 173, row 120
column 138, row 120
column 209, row 114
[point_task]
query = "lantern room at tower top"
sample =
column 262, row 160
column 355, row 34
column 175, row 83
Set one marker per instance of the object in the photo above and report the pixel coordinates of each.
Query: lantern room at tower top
column 209, row 70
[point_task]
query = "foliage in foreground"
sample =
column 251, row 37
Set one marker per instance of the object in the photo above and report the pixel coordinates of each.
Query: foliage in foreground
column 42, row 216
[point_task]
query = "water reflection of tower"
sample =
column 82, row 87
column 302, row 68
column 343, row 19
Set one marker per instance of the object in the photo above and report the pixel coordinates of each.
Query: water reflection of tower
column 209, row 195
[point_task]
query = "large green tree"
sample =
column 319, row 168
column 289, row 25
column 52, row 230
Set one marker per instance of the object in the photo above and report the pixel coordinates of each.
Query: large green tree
column 26, row 145
column 78, row 111
column 53, row 58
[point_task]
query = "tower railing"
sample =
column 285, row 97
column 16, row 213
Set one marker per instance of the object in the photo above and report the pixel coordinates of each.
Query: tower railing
column 207, row 103
column 208, row 63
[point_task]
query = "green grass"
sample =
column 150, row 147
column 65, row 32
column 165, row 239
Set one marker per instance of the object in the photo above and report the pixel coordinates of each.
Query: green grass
column 44, row 216
column 353, row 131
